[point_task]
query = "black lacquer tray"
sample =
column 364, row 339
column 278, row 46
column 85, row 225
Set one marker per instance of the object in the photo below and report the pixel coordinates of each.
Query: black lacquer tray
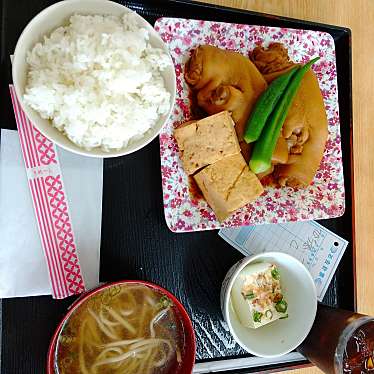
column 136, row 243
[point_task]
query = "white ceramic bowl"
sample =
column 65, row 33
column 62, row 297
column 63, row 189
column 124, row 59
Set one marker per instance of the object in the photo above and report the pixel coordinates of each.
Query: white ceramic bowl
column 43, row 24
column 281, row 336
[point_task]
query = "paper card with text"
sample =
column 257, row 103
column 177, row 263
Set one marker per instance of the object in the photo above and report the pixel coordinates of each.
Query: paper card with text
column 318, row 248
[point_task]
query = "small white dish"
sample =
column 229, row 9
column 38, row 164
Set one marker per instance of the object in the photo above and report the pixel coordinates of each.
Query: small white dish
column 281, row 336
column 43, row 24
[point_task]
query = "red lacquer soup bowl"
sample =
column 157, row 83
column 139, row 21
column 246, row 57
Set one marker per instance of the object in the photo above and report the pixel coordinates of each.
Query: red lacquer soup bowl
column 127, row 326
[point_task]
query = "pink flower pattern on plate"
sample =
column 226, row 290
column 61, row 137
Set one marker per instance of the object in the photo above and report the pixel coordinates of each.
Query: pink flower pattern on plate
column 324, row 198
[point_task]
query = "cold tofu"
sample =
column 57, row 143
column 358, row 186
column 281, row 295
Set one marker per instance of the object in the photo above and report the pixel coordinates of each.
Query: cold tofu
column 206, row 141
column 256, row 295
column 228, row 185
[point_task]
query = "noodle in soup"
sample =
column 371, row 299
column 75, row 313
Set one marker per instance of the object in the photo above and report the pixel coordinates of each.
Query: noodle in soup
column 127, row 328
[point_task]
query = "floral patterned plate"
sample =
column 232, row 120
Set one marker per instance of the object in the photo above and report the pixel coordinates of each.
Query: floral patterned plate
column 324, row 198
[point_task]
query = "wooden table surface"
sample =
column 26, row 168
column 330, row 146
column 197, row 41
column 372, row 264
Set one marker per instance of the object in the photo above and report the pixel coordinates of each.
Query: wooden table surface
column 359, row 17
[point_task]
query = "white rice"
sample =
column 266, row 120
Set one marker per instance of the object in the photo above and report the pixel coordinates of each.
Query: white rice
column 98, row 80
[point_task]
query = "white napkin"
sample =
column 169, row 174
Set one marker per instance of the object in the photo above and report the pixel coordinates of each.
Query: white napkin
column 23, row 271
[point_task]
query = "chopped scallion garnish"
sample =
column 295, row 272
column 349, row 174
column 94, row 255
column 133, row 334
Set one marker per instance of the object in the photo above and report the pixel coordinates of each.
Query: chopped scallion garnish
column 257, row 316
column 164, row 302
column 281, row 306
column 269, row 314
column 275, row 274
column 250, row 295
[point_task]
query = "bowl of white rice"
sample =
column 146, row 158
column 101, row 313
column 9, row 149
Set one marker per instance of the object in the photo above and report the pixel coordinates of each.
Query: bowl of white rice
column 94, row 77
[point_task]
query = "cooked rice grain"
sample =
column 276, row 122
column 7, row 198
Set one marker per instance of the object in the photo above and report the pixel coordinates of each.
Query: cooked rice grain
column 98, row 80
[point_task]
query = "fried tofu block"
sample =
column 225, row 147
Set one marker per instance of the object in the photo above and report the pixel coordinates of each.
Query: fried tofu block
column 206, row 141
column 228, row 185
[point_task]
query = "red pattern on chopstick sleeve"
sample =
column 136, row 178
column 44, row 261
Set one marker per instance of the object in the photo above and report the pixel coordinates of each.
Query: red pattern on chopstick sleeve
column 50, row 205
